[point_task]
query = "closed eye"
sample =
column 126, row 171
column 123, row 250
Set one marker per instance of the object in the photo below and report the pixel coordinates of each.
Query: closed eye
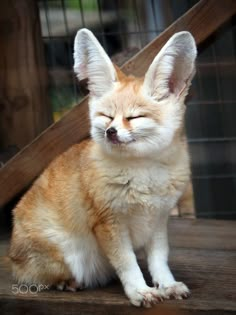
column 111, row 118
column 134, row 117
column 107, row 116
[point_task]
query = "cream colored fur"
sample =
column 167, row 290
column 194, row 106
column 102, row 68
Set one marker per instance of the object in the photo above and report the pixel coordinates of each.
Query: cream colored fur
column 105, row 198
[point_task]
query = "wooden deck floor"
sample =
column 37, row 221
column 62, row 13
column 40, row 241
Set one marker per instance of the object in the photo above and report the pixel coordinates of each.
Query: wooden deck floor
column 203, row 255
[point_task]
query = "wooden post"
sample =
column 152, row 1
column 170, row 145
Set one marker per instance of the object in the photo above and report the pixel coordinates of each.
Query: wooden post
column 24, row 108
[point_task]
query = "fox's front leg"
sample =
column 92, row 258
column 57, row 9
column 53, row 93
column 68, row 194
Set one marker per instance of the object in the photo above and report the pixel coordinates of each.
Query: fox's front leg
column 117, row 246
column 157, row 253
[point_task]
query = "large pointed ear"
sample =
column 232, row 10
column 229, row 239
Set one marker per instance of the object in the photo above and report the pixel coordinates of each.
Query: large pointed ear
column 91, row 61
column 173, row 68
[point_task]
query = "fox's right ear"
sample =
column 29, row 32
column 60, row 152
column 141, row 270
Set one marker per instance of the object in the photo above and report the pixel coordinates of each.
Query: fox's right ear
column 92, row 62
column 173, row 68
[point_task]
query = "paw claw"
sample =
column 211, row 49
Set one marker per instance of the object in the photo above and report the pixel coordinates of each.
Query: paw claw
column 70, row 285
column 146, row 297
column 178, row 291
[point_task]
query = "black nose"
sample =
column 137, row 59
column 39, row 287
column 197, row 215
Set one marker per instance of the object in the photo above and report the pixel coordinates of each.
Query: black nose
column 111, row 131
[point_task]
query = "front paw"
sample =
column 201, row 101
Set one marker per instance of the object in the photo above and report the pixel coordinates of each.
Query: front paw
column 145, row 297
column 177, row 290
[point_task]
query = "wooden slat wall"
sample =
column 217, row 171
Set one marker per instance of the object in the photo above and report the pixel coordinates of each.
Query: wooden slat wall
column 24, row 105
column 202, row 20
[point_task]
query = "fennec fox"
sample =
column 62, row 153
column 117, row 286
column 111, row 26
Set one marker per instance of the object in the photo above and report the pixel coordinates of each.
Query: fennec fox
column 105, row 198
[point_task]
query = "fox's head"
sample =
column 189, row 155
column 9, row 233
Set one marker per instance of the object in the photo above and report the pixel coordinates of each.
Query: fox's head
column 136, row 116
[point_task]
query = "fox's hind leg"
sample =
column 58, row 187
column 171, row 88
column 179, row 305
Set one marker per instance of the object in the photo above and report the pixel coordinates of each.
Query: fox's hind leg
column 36, row 261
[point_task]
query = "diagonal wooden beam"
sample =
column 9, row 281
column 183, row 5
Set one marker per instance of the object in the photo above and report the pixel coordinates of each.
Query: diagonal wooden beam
column 201, row 20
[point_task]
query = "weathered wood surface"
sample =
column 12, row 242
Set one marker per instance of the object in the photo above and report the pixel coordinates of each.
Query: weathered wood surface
column 24, row 105
column 203, row 255
column 202, row 20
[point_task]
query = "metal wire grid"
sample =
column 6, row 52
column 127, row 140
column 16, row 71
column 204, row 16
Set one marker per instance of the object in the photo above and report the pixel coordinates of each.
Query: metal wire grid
column 143, row 33
column 137, row 32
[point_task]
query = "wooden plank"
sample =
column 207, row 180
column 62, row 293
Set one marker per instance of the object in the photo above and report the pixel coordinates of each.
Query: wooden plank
column 24, row 106
column 73, row 127
column 202, row 20
column 203, row 234
column 202, row 255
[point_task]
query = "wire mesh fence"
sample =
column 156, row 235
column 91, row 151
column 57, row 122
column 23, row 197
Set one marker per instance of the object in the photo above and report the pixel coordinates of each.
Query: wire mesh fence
column 122, row 27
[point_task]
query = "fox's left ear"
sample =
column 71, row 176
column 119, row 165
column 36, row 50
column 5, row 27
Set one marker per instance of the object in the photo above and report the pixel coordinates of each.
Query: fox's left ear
column 91, row 62
column 173, row 68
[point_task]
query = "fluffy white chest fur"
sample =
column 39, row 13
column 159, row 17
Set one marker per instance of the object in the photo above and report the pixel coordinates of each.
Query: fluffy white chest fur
column 139, row 194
